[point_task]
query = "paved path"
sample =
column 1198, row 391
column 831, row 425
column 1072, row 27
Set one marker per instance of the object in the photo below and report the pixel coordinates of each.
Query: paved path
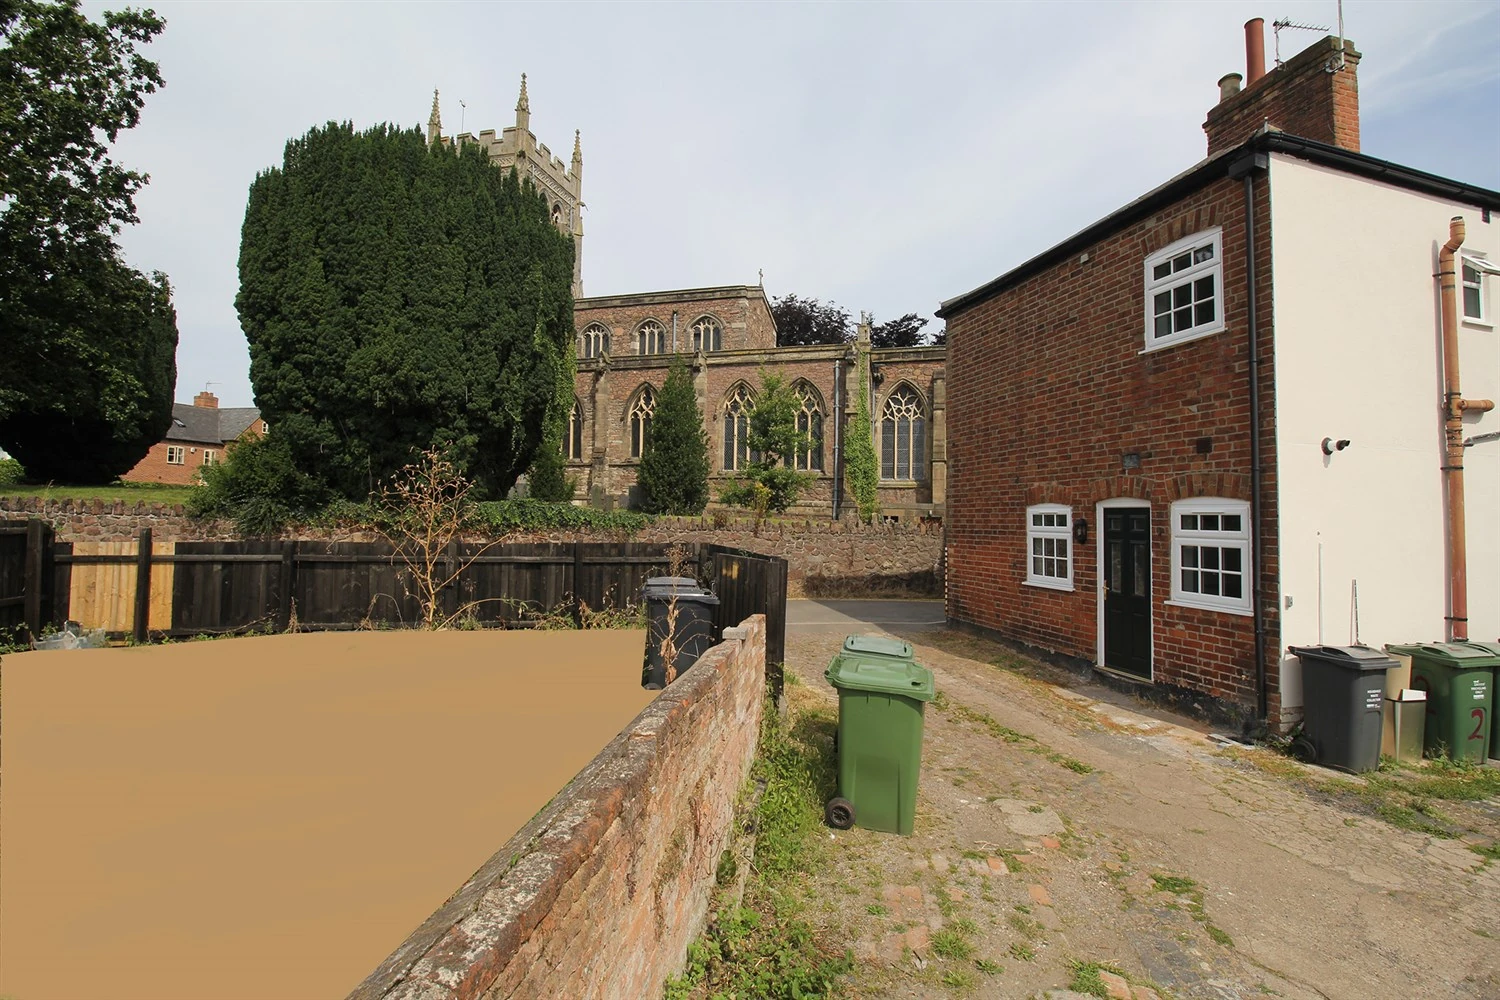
column 1054, row 829
column 862, row 616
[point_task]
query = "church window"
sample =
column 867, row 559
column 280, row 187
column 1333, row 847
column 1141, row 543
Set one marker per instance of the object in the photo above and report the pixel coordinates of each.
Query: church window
column 708, row 335
column 641, row 412
column 809, row 457
column 595, row 342
column 737, row 407
column 573, row 446
column 651, row 338
column 903, row 436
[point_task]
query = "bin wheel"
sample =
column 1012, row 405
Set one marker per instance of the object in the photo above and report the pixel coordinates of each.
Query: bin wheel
column 840, row 813
column 1302, row 749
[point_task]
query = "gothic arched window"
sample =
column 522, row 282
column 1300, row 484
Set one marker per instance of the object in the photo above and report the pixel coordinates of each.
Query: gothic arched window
column 651, row 338
column 595, row 342
column 737, row 407
column 903, row 436
column 573, row 444
column 641, row 412
column 810, row 424
column 708, row 335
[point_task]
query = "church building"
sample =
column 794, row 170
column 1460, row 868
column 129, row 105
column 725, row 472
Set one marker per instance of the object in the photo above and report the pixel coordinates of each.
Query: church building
column 727, row 335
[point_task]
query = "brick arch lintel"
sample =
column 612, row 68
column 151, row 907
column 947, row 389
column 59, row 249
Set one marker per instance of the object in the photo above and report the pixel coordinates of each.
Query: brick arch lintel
column 1229, row 485
column 1180, row 227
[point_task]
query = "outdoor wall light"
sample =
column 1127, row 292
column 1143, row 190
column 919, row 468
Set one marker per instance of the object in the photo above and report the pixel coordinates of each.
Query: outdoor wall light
column 1330, row 445
column 1080, row 530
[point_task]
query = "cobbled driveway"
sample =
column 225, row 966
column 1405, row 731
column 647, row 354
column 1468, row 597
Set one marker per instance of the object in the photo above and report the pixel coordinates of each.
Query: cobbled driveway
column 1060, row 829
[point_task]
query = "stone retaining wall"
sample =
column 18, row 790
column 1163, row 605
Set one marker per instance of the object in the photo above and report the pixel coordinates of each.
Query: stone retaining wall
column 822, row 556
column 601, row 893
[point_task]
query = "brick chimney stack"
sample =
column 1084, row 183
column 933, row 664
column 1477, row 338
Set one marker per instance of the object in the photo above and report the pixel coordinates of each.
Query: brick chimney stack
column 206, row 398
column 1315, row 95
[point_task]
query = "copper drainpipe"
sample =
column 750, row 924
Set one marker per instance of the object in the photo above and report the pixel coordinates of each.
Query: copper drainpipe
column 1255, row 50
column 1454, row 406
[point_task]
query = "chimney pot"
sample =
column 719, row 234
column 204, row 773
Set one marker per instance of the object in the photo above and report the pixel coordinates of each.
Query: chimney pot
column 1229, row 85
column 207, row 399
column 1255, row 50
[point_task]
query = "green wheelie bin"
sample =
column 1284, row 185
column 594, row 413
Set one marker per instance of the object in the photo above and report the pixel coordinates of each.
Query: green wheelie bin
column 1493, row 648
column 882, row 695
column 1460, row 683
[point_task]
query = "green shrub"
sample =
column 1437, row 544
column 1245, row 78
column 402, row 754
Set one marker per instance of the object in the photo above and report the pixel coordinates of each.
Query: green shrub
column 502, row 516
column 257, row 487
column 673, row 474
column 11, row 472
column 861, row 471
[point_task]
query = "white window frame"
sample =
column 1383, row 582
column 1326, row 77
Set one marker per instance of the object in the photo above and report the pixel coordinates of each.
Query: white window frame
column 1212, row 267
column 179, row 452
column 1220, row 539
column 1056, row 524
column 1484, row 267
column 210, row 456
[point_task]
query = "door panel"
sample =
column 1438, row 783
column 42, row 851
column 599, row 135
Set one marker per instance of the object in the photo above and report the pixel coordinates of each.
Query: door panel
column 1127, row 590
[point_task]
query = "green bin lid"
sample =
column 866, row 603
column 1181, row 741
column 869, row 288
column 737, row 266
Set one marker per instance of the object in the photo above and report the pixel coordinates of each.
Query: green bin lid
column 882, row 675
column 879, row 645
column 1458, row 655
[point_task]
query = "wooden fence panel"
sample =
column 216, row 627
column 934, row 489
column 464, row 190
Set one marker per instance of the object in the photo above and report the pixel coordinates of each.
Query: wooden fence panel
column 748, row 583
column 12, row 576
column 102, row 586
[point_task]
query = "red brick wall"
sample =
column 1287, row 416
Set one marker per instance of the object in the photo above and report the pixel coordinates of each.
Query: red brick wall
column 1300, row 97
column 154, row 468
column 1048, row 389
column 600, row 894
column 746, row 319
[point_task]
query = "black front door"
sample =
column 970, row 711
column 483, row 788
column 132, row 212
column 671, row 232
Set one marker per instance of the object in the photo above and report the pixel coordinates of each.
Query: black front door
column 1127, row 595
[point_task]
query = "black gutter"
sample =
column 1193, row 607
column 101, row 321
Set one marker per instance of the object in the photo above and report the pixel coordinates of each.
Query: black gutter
column 1210, row 170
column 1246, row 167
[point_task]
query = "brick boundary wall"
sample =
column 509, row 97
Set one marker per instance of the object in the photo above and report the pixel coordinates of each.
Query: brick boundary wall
column 907, row 553
column 601, row 893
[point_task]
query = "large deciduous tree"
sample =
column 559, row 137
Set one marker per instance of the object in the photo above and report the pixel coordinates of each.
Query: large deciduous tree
column 89, row 370
column 398, row 297
column 673, row 474
column 801, row 322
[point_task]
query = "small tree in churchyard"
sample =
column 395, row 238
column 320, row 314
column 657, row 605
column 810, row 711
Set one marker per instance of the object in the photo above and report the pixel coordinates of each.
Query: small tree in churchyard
column 771, row 484
column 673, row 474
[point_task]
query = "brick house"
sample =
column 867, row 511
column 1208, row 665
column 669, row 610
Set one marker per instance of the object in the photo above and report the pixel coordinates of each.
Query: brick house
column 1212, row 424
column 727, row 335
column 200, row 434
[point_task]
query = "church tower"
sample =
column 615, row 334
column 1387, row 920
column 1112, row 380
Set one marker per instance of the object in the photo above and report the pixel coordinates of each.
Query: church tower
column 516, row 147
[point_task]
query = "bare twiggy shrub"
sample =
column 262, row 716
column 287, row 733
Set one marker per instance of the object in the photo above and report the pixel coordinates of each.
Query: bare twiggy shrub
column 421, row 512
column 676, row 557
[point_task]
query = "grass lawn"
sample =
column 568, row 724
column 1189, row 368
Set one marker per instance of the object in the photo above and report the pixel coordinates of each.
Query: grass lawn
column 148, row 492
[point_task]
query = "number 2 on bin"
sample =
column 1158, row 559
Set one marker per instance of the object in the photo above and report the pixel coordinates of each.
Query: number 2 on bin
column 1478, row 733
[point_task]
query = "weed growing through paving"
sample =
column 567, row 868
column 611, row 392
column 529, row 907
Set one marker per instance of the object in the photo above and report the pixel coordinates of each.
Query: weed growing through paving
column 958, row 979
column 988, row 967
column 763, row 948
column 949, row 943
column 1022, row 953
column 1086, row 978
column 1008, row 735
column 1405, row 796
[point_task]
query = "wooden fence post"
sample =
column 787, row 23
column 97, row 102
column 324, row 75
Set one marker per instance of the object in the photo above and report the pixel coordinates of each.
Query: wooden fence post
column 288, row 588
column 143, row 586
column 577, row 584
column 34, row 575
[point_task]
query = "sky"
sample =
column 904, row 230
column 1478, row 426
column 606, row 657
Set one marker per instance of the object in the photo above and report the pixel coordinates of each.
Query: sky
column 884, row 156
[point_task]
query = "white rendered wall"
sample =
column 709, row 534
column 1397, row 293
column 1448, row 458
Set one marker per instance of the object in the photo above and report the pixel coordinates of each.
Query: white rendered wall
column 1358, row 339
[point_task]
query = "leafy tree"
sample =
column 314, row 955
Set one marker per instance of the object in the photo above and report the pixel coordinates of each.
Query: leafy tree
column 904, row 331
column 258, row 487
column 860, row 471
column 673, row 474
column 397, row 298
column 800, row 322
column 771, row 484
column 89, row 373
column 940, row 339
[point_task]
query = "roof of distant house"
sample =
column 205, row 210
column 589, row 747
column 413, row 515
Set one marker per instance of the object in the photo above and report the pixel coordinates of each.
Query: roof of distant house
column 1220, row 165
column 210, row 424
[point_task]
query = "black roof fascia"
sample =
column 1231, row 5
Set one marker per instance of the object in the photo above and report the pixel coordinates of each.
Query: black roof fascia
column 1225, row 165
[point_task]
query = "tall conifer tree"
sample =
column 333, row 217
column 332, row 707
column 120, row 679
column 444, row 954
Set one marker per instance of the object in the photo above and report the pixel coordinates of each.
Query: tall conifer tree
column 673, row 474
